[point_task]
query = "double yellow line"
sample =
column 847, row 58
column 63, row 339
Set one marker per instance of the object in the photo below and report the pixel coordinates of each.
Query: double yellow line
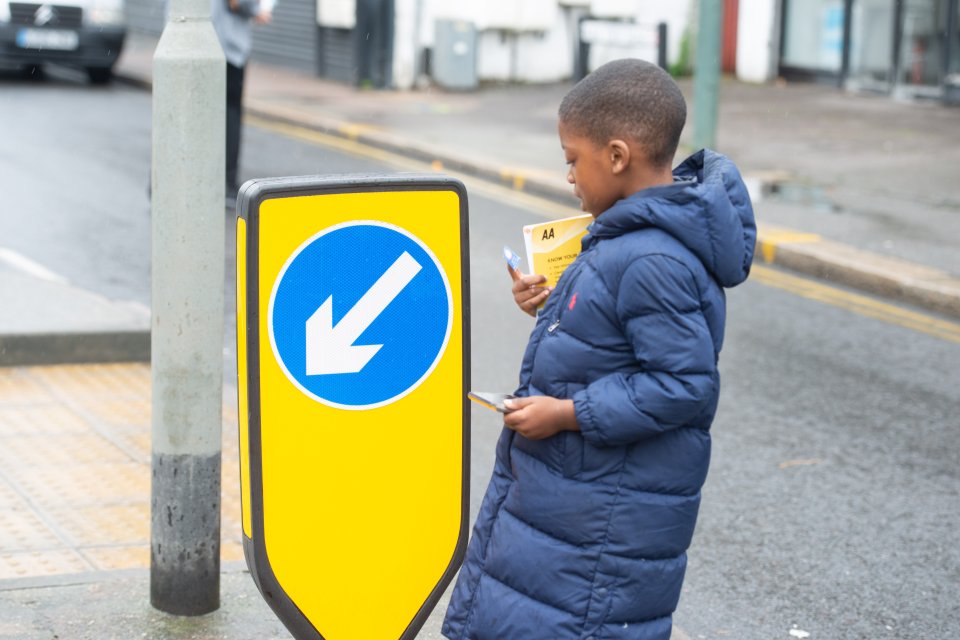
column 347, row 143
column 857, row 303
column 804, row 287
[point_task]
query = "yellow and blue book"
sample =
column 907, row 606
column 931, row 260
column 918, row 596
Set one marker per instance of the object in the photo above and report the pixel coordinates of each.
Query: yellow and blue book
column 552, row 246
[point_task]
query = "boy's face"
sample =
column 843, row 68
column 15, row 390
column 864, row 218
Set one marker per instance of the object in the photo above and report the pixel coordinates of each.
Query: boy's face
column 591, row 171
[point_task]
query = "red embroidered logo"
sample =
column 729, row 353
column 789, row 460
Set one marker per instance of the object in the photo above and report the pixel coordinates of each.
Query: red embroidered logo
column 573, row 302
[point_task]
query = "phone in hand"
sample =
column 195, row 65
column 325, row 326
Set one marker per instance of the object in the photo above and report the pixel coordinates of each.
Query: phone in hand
column 491, row 400
column 513, row 260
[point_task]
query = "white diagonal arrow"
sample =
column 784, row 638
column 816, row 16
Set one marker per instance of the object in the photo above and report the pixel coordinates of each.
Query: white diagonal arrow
column 330, row 349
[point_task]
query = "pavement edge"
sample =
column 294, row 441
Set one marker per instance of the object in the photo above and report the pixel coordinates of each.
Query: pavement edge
column 891, row 278
column 75, row 348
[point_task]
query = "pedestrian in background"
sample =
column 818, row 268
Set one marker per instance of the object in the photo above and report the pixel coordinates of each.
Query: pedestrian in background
column 586, row 521
column 232, row 21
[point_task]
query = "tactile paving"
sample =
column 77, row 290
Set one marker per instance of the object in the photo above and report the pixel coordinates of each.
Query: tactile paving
column 18, row 386
column 79, row 485
column 75, row 470
column 41, row 418
column 45, row 452
column 231, row 551
column 115, row 412
column 41, row 563
column 8, row 497
column 119, row 524
column 22, row 530
column 104, row 380
column 118, row 557
column 134, row 440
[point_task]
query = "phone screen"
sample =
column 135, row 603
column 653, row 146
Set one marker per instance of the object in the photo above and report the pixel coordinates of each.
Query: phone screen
column 491, row 400
column 513, row 260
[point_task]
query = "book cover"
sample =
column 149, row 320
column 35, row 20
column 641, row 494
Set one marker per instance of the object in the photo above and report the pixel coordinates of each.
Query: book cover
column 551, row 246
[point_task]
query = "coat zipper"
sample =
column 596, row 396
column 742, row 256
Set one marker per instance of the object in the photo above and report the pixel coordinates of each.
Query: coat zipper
column 563, row 293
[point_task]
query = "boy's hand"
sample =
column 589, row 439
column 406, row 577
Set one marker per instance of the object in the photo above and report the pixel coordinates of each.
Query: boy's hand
column 527, row 290
column 539, row 417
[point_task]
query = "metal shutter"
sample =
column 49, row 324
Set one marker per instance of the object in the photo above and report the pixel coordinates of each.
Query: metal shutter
column 362, row 55
column 290, row 40
column 337, row 60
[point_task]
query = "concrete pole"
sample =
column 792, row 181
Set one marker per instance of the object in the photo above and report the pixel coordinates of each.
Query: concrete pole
column 706, row 74
column 189, row 84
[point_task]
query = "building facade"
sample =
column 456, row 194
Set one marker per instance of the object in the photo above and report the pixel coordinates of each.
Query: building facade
column 393, row 43
column 900, row 47
column 905, row 48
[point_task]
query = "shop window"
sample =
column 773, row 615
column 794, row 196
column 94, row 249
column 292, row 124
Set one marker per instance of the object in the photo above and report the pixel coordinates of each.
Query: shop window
column 813, row 35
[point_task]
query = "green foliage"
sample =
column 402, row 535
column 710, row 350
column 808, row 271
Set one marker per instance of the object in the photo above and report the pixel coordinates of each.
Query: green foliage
column 682, row 66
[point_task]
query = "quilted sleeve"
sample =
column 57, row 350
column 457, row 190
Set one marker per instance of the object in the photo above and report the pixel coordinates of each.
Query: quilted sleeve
column 658, row 304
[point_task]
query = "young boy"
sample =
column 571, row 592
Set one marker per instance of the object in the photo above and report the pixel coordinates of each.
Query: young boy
column 585, row 524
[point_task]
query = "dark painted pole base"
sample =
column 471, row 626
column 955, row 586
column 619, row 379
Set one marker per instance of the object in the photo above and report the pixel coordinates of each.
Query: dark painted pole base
column 185, row 534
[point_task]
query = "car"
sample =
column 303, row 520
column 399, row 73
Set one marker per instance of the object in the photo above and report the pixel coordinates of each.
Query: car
column 86, row 34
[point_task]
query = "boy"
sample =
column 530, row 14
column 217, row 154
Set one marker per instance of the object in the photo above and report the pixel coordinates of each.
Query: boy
column 585, row 524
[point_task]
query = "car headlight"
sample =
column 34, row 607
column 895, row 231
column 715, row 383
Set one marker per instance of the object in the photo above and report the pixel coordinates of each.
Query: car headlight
column 104, row 13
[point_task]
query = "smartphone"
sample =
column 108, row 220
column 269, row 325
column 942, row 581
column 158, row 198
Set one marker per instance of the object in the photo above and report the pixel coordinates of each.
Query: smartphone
column 513, row 260
column 491, row 400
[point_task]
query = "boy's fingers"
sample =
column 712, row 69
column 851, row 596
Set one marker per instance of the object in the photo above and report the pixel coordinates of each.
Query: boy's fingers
column 529, row 282
column 528, row 302
column 527, row 292
column 515, row 416
column 515, row 274
column 539, row 298
column 516, row 403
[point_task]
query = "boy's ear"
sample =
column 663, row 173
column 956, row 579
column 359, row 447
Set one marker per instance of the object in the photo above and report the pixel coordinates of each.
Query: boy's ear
column 619, row 156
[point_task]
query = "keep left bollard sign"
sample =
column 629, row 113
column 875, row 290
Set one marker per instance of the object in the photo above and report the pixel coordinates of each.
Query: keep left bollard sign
column 353, row 365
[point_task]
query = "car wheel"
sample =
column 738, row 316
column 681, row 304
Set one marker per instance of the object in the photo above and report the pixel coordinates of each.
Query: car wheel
column 32, row 72
column 100, row 75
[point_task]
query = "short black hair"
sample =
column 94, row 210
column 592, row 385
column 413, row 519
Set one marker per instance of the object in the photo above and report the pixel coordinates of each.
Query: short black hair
column 628, row 98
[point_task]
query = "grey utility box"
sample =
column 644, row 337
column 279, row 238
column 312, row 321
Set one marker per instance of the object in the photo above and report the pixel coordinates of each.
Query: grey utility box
column 454, row 61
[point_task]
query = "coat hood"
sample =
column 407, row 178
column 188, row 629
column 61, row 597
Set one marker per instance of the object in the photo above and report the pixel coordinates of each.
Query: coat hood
column 707, row 208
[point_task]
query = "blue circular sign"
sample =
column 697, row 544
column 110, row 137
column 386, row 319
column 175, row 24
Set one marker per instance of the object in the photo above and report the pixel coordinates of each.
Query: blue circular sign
column 360, row 315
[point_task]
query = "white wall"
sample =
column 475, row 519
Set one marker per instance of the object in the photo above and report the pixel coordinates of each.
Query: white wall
column 405, row 41
column 648, row 13
column 527, row 56
column 675, row 13
column 513, row 15
column 757, row 40
column 526, row 40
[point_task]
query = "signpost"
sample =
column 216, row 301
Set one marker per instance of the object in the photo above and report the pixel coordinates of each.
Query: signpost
column 706, row 74
column 186, row 333
column 353, row 361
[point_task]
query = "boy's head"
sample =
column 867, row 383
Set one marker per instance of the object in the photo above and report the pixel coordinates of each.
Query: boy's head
column 626, row 117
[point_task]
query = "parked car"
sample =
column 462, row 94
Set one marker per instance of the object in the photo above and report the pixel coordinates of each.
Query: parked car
column 87, row 34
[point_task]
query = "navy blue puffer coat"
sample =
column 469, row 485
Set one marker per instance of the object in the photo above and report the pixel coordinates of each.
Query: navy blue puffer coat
column 583, row 535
